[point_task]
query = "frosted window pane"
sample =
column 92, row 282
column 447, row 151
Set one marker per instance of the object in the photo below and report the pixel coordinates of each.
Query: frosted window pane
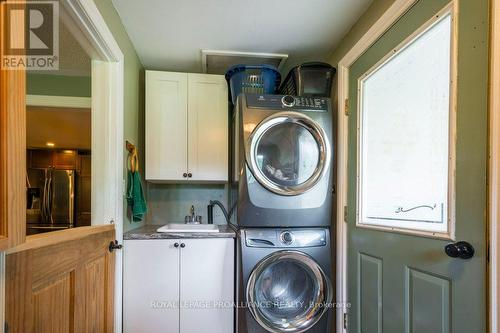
column 404, row 127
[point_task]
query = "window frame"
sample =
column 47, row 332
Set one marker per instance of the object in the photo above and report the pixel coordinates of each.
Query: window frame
column 451, row 10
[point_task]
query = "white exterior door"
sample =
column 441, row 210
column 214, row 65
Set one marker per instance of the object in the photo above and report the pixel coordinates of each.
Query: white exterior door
column 208, row 127
column 166, row 125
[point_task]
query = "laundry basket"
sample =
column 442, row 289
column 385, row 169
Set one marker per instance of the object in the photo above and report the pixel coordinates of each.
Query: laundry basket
column 313, row 79
column 256, row 79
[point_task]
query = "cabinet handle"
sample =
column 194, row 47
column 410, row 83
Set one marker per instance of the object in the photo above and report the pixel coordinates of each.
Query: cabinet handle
column 184, row 175
column 176, row 245
column 183, row 245
column 190, row 175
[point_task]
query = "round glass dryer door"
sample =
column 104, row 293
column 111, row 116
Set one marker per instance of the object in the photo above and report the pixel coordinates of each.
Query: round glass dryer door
column 288, row 153
column 288, row 292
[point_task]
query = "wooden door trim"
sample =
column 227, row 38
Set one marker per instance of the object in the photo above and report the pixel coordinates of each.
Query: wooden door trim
column 385, row 21
column 12, row 153
column 494, row 172
column 56, row 237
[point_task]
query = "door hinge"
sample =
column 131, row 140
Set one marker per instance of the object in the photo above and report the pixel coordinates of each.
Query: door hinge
column 345, row 321
column 345, row 214
column 346, row 106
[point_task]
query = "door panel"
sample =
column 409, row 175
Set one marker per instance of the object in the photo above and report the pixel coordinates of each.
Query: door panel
column 62, row 282
column 208, row 127
column 427, row 302
column 370, row 293
column 154, row 308
column 166, row 125
column 404, row 281
column 214, row 287
column 52, row 302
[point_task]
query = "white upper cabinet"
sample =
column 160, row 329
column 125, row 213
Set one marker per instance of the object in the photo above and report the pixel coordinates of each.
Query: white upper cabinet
column 186, row 127
column 166, row 125
column 207, row 127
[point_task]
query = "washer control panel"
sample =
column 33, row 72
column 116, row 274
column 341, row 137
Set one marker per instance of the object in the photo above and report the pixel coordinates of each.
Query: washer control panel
column 294, row 238
column 287, row 102
column 286, row 237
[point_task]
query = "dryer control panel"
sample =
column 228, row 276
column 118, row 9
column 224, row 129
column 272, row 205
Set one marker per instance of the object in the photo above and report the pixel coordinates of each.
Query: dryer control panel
column 293, row 238
column 287, row 102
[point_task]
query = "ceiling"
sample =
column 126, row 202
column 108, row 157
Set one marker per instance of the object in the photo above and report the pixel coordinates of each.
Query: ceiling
column 68, row 128
column 170, row 34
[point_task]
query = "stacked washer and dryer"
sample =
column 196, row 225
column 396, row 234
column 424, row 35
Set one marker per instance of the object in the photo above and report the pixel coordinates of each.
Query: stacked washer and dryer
column 281, row 199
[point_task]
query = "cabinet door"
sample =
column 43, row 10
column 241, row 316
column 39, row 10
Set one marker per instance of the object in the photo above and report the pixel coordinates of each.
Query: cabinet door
column 65, row 159
column 207, row 285
column 150, row 286
column 166, row 126
column 84, row 191
column 41, row 158
column 84, row 165
column 208, row 128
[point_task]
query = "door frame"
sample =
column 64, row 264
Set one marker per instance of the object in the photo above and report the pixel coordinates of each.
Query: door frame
column 494, row 165
column 384, row 22
column 86, row 24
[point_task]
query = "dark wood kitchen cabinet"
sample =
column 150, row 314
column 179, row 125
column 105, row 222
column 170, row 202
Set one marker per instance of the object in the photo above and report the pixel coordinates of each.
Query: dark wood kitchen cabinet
column 64, row 159
column 57, row 159
column 40, row 158
column 83, row 197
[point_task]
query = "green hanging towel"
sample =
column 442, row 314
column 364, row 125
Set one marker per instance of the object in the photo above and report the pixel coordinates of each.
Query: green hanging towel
column 135, row 194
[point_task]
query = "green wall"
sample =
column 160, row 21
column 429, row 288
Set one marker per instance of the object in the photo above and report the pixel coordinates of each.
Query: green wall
column 133, row 89
column 58, row 85
column 376, row 9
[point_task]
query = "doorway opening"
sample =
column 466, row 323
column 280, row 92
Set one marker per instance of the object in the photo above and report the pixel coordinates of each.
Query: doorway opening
column 58, row 141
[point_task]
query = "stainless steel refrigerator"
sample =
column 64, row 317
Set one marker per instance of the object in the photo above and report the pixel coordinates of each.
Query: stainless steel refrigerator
column 50, row 201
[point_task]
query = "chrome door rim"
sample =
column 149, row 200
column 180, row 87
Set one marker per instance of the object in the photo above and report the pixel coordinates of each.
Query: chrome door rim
column 324, row 295
column 316, row 131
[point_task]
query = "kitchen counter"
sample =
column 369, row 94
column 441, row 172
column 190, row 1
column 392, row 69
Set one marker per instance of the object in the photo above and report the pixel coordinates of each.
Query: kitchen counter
column 149, row 232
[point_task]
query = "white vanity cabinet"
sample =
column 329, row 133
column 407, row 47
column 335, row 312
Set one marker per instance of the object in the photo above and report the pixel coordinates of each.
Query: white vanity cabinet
column 178, row 285
column 186, row 127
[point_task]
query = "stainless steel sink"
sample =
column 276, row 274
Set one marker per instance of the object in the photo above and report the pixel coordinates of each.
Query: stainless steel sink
column 181, row 227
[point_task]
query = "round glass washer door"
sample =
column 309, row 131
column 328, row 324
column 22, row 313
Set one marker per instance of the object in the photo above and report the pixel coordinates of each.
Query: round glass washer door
column 288, row 153
column 288, row 292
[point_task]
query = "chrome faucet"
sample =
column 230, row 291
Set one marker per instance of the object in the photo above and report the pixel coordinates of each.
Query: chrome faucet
column 193, row 218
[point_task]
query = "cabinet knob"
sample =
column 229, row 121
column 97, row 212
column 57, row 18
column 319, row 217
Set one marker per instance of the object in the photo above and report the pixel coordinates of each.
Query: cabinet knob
column 176, row 245
column 183, row 245
column 184, row 175
column 190, row 175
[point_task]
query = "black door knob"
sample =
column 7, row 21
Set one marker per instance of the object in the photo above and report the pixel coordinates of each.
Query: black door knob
column 462, row 250
column 183, row 245
column 184, row 175
column 114, row 246
column 190, row 175
column 176, row 245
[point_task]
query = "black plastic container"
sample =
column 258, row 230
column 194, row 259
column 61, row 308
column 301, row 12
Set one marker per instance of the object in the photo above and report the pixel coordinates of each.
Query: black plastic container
column 312, row 79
